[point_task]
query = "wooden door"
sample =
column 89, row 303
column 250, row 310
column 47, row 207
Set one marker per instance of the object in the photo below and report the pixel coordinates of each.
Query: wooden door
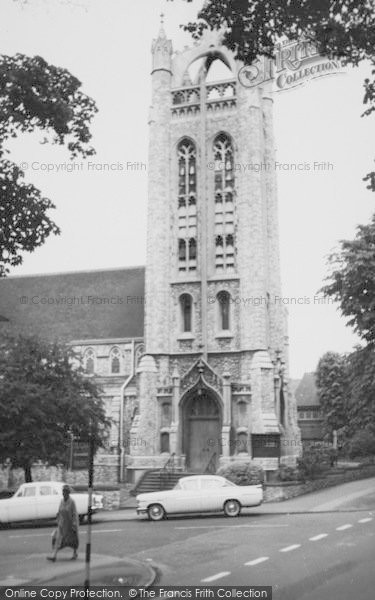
column 203, row 433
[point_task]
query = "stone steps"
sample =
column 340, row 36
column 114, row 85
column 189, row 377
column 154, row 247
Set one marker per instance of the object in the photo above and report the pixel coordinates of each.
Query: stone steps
column 157, row 479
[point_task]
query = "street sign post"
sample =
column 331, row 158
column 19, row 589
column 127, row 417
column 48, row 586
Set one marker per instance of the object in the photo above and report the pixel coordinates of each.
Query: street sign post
column 79, row 455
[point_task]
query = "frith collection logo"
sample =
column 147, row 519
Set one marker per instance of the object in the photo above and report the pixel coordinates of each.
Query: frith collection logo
column 294, row 64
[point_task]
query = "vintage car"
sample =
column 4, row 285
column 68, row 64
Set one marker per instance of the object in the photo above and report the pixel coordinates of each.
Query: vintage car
column 40, row 500
column 197, row 494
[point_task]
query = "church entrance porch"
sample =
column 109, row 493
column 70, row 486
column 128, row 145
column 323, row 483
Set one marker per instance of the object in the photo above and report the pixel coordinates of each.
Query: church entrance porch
column 201, row 431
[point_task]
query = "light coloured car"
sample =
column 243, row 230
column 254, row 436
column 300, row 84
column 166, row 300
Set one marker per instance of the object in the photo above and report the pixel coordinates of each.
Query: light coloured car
column 41, row 500
column 198, row 494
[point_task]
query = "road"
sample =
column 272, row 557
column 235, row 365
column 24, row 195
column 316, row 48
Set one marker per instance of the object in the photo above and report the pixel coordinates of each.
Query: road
column 317, row 547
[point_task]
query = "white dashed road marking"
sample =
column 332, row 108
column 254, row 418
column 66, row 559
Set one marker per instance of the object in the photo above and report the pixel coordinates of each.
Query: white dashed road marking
column 256, row 561
column 230, row 526
column 366, row 520
column 290, row 548
column 217, row 576
column 318, row 537
column 342, row 527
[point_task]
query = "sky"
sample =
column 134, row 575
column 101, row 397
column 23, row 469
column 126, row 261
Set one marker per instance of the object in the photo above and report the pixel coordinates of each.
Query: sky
column 102, row 215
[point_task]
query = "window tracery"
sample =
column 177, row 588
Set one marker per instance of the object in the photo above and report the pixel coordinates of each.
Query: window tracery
column 224, row 204
column 187, row 206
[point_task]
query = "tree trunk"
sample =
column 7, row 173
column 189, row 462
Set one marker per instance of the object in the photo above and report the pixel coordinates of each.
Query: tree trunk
column 27, row 470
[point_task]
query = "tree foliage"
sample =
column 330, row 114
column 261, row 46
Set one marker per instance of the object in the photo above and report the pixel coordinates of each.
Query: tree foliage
column 35, row 95
column 361, row 385
column 342, row 28
column 44, row 399
column 24, row 220
column 352, row 280
column 331, row 382
column 362, row 444
column 346, row 389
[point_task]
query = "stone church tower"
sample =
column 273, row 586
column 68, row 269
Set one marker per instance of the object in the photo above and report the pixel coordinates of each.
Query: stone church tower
column 213, row 384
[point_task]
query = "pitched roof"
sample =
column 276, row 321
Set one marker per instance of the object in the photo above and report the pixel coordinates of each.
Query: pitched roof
column 76, row 305
column 306, row 392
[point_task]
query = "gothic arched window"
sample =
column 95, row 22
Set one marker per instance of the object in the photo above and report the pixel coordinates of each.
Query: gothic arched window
column 115, row 357
column 224, row 205
column 186, row 304
column 223, row 302
column 89, row 361
column 187, row 205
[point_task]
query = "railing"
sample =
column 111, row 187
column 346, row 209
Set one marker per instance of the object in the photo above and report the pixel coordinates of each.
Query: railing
column 168, row 469
column 211, row 465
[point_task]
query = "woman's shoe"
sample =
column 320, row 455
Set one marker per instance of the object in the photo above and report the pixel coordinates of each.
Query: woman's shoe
column 51, row 558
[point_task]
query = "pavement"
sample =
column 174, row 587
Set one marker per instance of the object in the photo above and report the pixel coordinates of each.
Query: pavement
column 104, row 570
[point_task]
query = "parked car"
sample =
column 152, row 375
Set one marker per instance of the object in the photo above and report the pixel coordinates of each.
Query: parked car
column 41, row 500
column 197, row 494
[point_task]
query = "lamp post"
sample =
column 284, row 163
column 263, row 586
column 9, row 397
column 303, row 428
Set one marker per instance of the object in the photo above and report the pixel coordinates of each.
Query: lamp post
column 89, row 509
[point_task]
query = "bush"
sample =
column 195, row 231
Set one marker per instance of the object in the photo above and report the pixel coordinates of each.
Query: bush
column 285, row 473
column 361, row 444
column 313, row 462
column 242, row 473
column 6, row 493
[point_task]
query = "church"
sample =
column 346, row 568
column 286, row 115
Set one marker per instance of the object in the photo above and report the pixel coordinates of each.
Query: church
column 191, row 351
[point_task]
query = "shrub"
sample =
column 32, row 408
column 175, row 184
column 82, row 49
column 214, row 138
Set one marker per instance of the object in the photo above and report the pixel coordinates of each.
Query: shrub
column 313, row 462
column 242, row 473
column 285, row 473
column 361, row 444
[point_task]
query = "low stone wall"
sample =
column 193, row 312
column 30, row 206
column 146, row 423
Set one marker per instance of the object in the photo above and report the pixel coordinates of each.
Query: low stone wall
column 106, row 472
column 105, row 468
column 284, row 490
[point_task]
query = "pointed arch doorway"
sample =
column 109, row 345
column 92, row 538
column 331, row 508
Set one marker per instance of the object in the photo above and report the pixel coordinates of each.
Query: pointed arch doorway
column 201, row 434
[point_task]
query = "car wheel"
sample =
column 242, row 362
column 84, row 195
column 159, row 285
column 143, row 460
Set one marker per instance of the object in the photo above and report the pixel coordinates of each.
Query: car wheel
column 156, row 512
column 82, row 519
column 232, row 508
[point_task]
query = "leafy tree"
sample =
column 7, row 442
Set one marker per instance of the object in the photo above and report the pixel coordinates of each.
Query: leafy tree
column 362, row 444
column 44, row 397
column 331, row 382
column 361, row 385
column 339, row 28
column 254, row 27
column 35, row 95
column 352, row 280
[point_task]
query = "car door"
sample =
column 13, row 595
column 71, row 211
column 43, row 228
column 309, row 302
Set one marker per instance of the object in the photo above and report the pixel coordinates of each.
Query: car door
column 189, row 497
column 213, row 494
column 23, row 505
column 48, row 500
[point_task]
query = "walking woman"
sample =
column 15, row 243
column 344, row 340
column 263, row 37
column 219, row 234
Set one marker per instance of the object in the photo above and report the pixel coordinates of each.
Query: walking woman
column 67, row 526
